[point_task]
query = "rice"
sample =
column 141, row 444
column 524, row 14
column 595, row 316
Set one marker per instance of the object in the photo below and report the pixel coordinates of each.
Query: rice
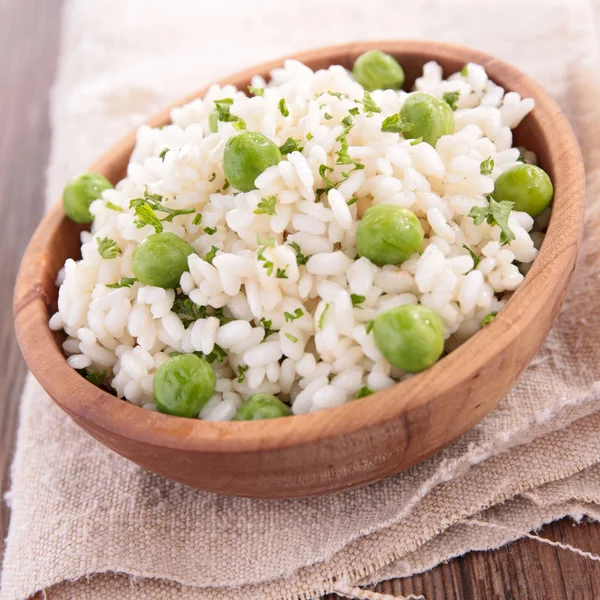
column 299, row 329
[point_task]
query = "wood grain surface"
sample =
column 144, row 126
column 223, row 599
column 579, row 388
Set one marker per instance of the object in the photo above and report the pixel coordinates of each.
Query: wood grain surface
column 28, row 49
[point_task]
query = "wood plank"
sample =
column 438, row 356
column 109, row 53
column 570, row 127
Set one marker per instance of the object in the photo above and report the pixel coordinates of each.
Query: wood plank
column 29, row 32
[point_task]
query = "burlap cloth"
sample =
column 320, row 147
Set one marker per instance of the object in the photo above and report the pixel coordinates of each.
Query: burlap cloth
column 88, row 524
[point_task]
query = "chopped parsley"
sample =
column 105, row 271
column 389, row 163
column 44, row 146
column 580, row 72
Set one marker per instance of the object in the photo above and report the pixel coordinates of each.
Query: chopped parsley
column 125, row 282
column 146, row 208
column 395, row 124
column 369, row 326
column 416, row 141
column 242, row 373
column 343, row 158
column 369, row 106
column 355, row 111
column 488, row 318
column 186, row 309
column 476, row 259
column 145, row 215
column 352, row 201
column 348, row 123
column 260, row 254
column 323, row 314
column 364, row 391
column 108, row 248
column 226, row 185
column 197, row 219
column 283, row 109
column 270, row 242
column 223, row 108
column 210, row 255
column 212, row 177
column 309, row 136
column 256, row 91
column 217, row 355
column 323, row 170
column 338, row 95
column 465, row 71
column 300, row 258
column 293, row 316
column 328, row 117
column 496, row 213
column 163, row 154
column 210, row 230
column 451, row 98
column 487, row 166
column 112, row 206
column 291, row 145
column 95, row 377
column 267, row 324
column 291, row 337
column 281, row 273
column 357, row 300
column 266, row 206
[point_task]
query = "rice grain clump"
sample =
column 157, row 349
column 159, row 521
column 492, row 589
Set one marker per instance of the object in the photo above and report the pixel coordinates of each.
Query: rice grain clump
column 274, row 295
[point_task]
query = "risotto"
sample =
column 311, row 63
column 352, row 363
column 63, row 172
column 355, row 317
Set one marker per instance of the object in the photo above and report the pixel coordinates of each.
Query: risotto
column 308, row 241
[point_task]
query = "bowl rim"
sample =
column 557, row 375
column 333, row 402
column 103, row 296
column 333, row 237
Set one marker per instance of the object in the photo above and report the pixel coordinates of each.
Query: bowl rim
column 85, row 402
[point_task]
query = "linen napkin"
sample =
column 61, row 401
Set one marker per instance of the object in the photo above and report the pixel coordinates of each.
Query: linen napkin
column 86, row 523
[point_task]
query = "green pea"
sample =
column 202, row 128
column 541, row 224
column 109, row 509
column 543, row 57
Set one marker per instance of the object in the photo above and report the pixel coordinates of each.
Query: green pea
column 375, row 70
column 213, row 121
column 246, row 155
column 183, row 385
column 160, row 260
column 262, row 406
column 431, row 118
column 528, row 186
column 411, row 337
column 80, row 192
column 388, row 234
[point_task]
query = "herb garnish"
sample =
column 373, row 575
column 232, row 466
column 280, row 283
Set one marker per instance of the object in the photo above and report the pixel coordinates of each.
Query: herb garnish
column 369, row 105
column 357, row 300
column 283, row 109
column 395, row 124
column 108, row 248
column 211, row 254
column 487, row 166
column 293, row 316
column 242, row 373
column 451, row 98
column 488, row 318
column 95, row 377
column 300, row 258
column 496, row 213
column 322, row 317
column 223, row 108
column 291, row 145
column 266, row 206
column 364, row 391
column 112, row 206
column 476, row 259
column 125, row 282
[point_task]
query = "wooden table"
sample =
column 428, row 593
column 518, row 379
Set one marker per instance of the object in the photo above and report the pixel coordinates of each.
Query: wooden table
column 29, row 37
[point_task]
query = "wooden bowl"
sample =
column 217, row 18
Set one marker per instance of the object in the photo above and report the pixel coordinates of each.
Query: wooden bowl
column 363, row 441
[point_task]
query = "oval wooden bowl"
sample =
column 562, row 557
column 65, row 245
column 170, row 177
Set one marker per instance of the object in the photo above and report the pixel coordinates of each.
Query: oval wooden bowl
column 360, row 442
